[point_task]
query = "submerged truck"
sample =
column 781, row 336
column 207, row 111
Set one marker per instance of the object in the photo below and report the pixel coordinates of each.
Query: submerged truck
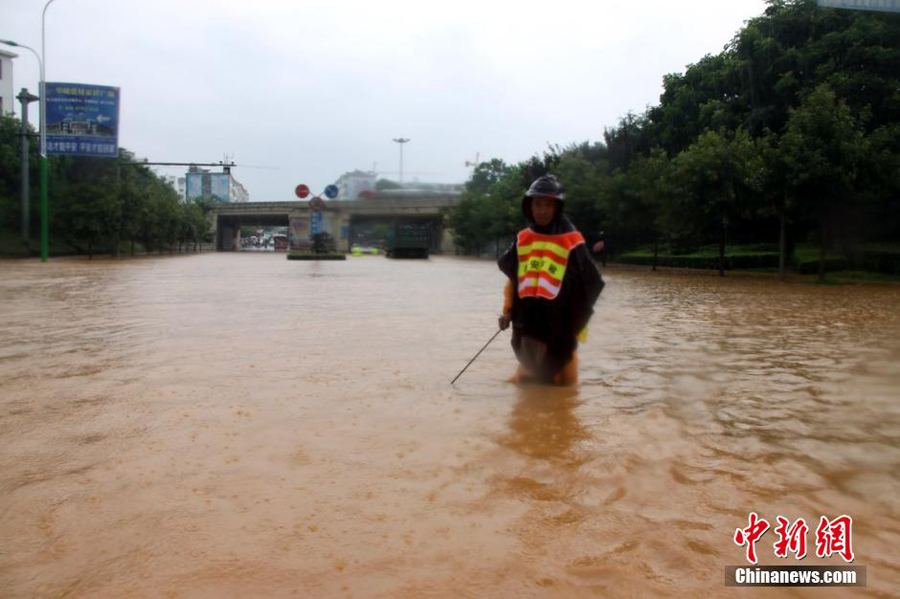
column 408, row 241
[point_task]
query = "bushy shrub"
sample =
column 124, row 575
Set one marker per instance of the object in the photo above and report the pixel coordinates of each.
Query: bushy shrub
column 732, row 262
column 886, row 262
column 832, row 263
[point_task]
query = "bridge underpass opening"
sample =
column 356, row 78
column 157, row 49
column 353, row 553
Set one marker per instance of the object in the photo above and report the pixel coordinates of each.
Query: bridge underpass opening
column 228, row 227
column 372, row 230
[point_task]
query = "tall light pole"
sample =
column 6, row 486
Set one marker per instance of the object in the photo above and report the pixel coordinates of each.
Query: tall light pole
column 25, row 97
column 401, row 141
column 45, row 212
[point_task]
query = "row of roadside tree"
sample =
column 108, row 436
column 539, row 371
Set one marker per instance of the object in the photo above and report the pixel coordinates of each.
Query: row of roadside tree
column 790, row 135
column 96, row 205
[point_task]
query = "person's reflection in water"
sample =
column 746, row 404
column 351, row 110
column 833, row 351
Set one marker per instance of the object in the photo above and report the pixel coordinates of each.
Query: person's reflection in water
column 550, row 444
column 543, row 425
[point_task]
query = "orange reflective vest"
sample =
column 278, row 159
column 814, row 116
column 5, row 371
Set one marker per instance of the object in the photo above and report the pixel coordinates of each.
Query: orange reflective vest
column 542, row 262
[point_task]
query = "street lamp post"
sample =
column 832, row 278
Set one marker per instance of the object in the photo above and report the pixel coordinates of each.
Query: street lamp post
column 401, row 141
column 25, row 98
column 45, row 212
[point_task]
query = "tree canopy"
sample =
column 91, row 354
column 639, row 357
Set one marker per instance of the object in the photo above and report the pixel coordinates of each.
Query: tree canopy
column 97, row 203
column 796, row 121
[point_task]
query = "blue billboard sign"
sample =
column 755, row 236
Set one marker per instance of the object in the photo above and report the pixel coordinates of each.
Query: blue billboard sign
column 208, row 185
column 82, row 119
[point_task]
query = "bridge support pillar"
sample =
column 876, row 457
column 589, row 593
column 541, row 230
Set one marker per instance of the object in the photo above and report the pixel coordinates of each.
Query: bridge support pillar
column 226, row 238
column 342, row 232
column 448, row 246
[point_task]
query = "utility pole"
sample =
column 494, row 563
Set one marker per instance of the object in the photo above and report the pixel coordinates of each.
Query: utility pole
column 401, row 141
column 25, row 98
column 45, row 209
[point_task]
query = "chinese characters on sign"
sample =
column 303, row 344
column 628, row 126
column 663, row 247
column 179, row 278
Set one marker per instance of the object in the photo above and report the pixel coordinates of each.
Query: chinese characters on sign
column 832, row 536
column 82, row 119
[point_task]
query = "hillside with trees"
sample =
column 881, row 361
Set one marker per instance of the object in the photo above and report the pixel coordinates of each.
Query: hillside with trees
column 790, row 136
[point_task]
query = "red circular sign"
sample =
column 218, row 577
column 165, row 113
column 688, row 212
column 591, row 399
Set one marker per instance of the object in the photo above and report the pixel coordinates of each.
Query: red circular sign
column 302, row 191
column 317, row 204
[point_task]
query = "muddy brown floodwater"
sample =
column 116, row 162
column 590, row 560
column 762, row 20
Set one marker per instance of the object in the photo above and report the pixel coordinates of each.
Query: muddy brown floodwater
column 238, row 425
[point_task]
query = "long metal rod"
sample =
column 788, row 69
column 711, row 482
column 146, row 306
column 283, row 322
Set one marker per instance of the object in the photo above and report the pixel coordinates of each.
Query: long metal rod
column 476, row 355
column 147, row 162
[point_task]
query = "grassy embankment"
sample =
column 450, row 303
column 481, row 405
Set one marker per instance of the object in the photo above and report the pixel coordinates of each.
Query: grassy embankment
column 868, row 262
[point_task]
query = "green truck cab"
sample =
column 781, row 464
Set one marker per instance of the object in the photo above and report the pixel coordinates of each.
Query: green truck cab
column 408, row 241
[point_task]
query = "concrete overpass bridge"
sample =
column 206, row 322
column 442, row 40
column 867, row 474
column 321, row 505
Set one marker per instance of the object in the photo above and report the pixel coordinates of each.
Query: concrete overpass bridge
column 341, row 218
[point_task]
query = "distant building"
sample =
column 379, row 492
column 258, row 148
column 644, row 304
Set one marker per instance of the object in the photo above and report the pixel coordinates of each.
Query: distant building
column 237, row 192
column 200, row 183
column 351, row 185
column 7, row 98
column 177, row 183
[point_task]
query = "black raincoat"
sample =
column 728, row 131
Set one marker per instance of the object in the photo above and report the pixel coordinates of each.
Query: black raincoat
column 544, row 332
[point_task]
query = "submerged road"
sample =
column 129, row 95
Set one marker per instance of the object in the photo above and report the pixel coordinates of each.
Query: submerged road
column 242, row 425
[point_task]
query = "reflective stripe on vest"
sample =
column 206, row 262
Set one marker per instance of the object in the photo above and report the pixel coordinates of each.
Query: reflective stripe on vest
column 542, row 262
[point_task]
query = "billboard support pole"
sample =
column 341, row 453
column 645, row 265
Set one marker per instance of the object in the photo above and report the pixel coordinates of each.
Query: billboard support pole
column 118, row 200
column 45, row 212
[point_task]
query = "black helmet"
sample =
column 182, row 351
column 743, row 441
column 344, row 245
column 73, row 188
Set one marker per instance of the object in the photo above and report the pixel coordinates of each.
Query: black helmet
column 546, row 187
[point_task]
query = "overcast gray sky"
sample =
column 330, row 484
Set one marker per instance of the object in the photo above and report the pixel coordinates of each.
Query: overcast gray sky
column 320, row 87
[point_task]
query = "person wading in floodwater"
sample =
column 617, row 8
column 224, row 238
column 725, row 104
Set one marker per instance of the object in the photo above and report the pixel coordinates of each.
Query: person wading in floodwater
column 553, row 284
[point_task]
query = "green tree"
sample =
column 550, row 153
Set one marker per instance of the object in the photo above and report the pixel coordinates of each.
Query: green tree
column 487, row 212
column 774, row 185
column 651, row 194
column 486, row 175
column 721, row 177
column 823, row 147
column 582, row 182
column 10, row 175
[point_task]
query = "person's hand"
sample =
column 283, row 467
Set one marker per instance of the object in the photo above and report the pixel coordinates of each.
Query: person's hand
column 504, row 321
